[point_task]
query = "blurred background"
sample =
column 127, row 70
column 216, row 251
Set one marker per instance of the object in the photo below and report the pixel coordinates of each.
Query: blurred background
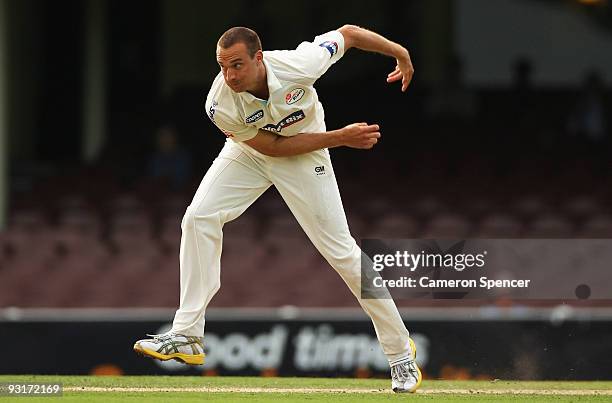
column 505, row 132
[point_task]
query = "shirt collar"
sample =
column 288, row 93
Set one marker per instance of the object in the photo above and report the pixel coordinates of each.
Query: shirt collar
column 273, row 84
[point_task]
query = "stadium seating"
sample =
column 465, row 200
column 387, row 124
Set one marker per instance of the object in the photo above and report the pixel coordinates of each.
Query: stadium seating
column 83, row 247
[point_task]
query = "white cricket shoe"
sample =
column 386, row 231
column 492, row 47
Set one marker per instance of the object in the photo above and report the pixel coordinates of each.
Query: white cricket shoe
column 406, row 375
column 171, row 346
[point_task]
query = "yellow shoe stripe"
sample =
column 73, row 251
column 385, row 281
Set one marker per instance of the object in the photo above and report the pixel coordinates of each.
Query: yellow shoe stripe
column 192, row 359
column 414, row 353
column 413, row 348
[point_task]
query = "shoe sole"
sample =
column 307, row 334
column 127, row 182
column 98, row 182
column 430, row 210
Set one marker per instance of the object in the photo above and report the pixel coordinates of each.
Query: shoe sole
column 190, row 359
column 418, row 384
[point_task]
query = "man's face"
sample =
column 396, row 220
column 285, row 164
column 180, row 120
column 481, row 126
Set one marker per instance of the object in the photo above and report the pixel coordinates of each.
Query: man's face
column 240, row 71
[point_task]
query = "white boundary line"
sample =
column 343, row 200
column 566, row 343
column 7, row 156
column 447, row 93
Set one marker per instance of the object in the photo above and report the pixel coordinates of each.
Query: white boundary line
column 552, row 392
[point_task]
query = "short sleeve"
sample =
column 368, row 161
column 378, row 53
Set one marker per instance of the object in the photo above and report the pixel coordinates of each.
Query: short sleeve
column 316, row 57
column 229, row 125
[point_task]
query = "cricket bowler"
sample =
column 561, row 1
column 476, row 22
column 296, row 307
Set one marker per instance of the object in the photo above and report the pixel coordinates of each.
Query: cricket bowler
column 266, row 105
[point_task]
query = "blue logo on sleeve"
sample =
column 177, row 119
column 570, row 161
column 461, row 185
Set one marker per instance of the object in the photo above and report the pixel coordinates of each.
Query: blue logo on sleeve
column 212, row 110
column 331, row 46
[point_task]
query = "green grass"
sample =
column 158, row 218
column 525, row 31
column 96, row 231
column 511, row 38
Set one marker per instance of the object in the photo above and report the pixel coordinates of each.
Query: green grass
column 180, row 382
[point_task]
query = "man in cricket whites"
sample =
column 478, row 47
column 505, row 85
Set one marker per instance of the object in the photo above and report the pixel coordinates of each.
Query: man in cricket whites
column 266, row 105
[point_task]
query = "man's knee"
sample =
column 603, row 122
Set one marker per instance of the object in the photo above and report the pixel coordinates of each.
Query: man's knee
column 200, row 213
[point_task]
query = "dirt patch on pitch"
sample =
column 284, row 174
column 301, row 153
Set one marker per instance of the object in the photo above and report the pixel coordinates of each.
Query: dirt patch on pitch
column 553, row 392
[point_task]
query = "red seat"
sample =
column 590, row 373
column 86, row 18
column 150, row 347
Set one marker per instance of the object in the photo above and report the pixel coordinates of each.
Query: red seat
column 447, row 226
column 598, row 226
column 395, row 225
column 499, row 226
column 549, row 226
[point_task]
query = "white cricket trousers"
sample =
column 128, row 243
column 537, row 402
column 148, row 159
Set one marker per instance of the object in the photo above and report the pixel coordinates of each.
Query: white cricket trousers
column 237, row 177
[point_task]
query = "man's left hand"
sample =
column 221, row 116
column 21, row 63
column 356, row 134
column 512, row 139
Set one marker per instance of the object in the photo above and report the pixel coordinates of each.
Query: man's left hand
column 403, row 71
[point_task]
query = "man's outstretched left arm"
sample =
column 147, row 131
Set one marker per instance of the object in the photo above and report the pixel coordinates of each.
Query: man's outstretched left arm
column 361, row 38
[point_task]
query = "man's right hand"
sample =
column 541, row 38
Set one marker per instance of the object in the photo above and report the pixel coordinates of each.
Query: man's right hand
column 357, row 135
column 360, row 135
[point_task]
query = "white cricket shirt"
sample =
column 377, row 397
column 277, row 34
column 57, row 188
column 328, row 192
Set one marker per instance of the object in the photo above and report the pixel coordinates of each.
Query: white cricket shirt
column 293, row 105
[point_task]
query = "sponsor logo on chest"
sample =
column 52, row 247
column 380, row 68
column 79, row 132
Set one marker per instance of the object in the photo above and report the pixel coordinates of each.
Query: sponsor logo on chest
column 294, row 96
column 286, row 121
column 254, row 117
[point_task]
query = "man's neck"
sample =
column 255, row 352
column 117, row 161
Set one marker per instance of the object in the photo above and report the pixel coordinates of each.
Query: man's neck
column 262, row 91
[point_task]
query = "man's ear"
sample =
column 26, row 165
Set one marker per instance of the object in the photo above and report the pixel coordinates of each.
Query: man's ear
column 259, row 55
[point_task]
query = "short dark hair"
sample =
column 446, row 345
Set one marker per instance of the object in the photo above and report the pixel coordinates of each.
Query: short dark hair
column 241, row 34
